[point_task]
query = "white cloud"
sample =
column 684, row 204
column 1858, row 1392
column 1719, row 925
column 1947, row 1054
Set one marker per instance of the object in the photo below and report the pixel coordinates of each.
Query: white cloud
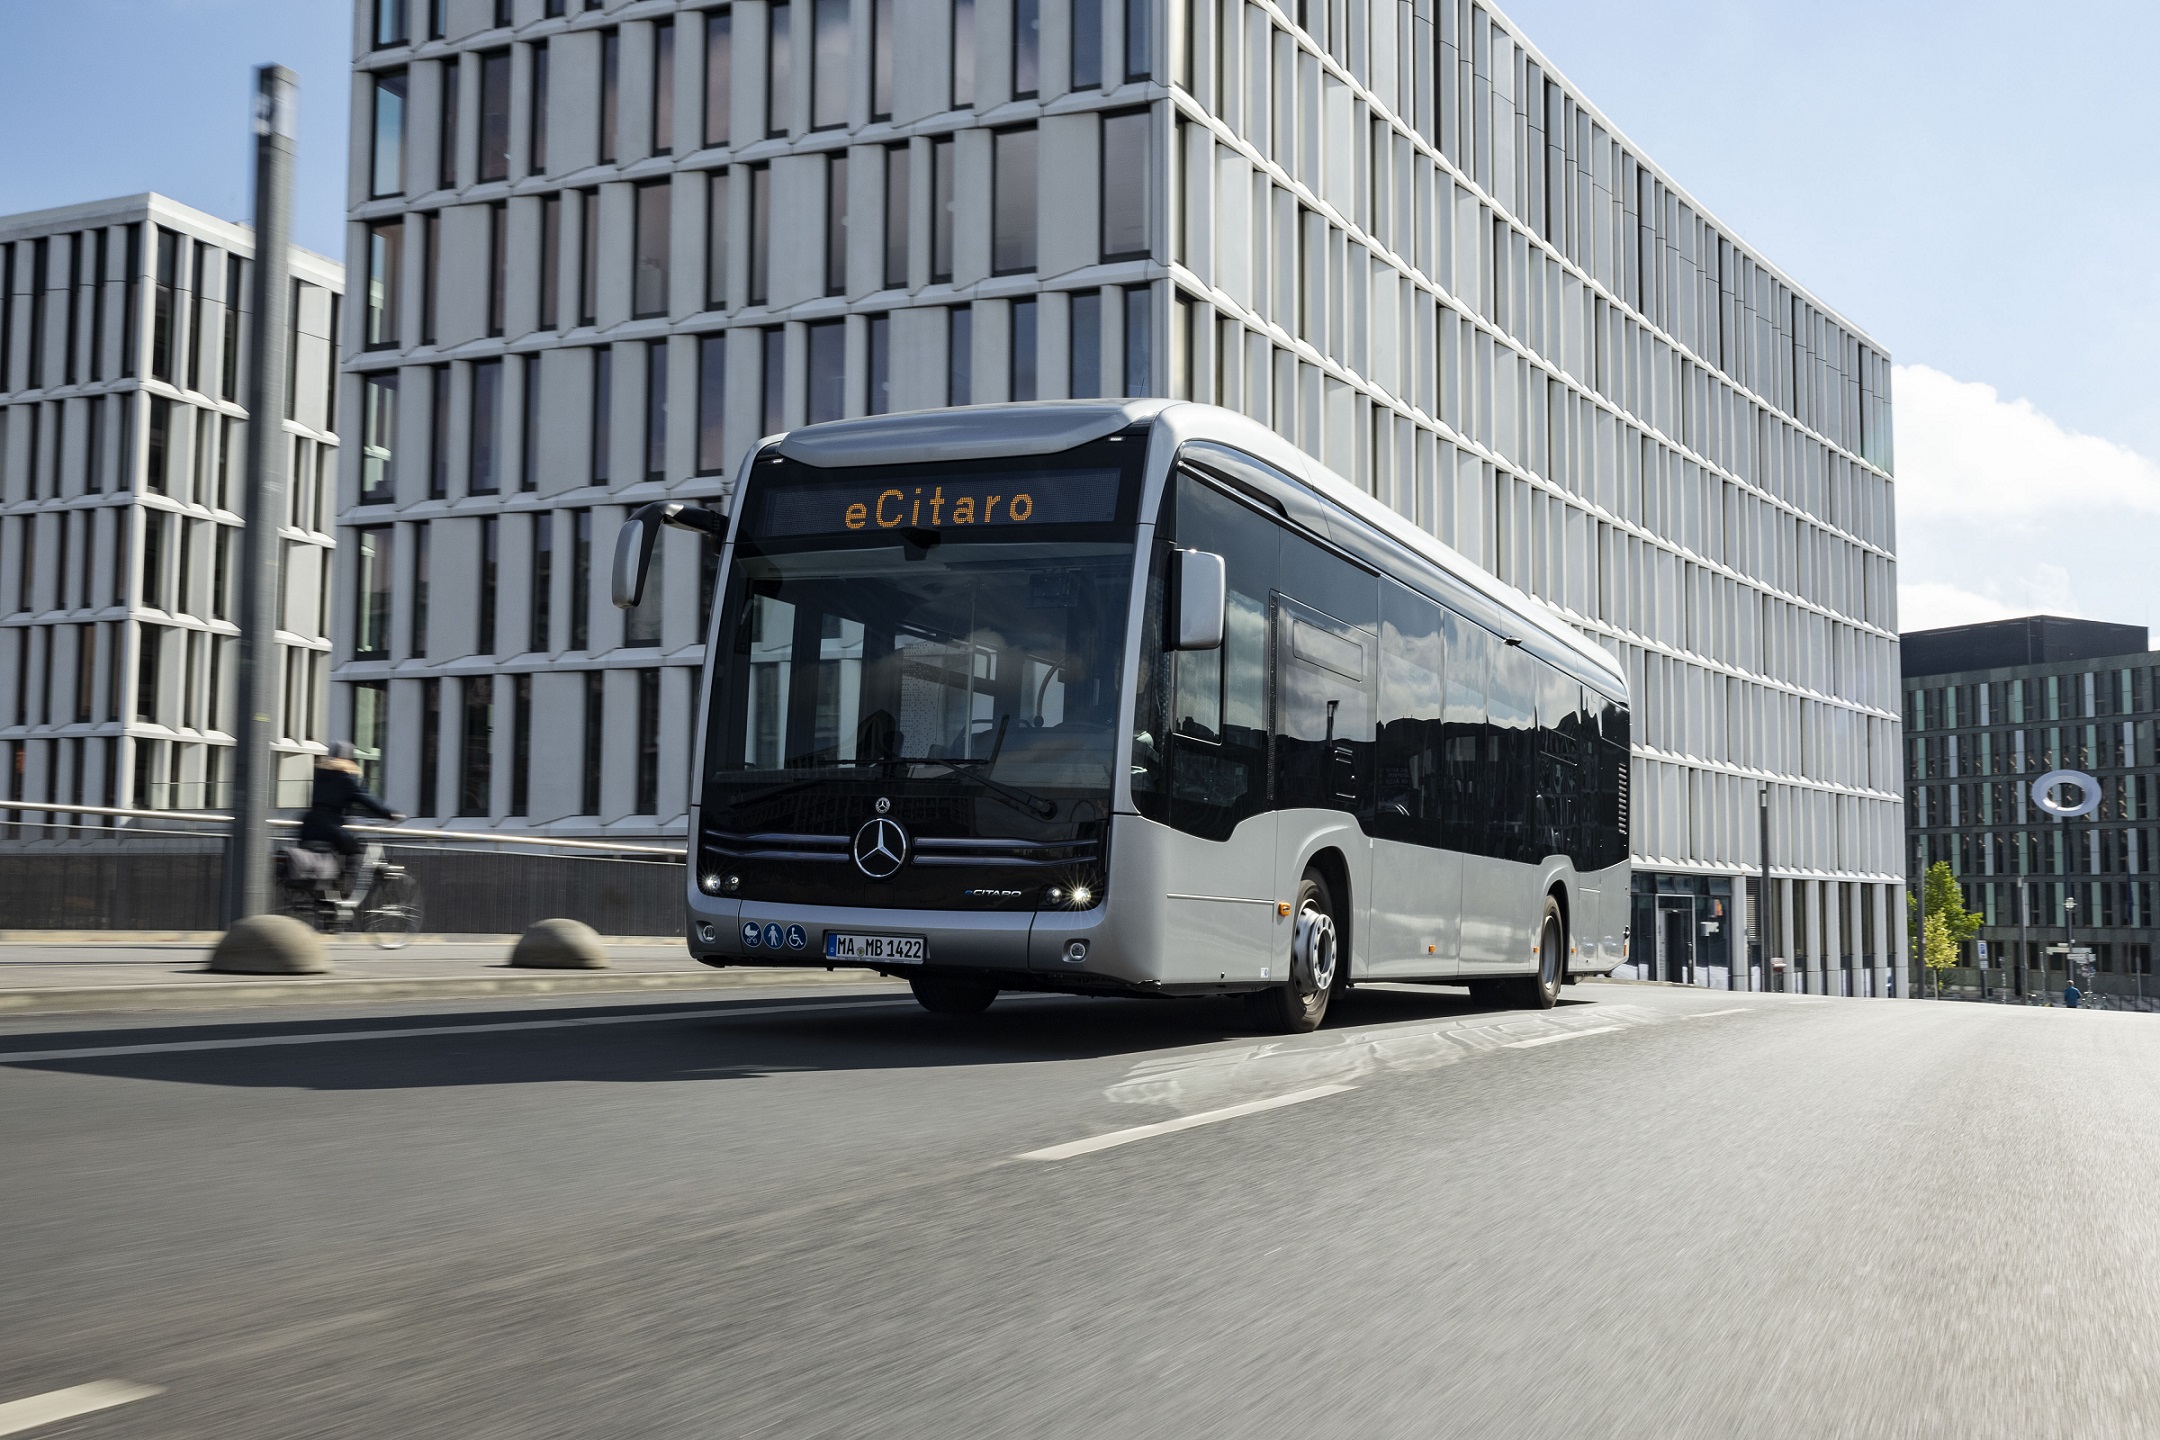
column 1931, row 605
column 1963, row 448
column 2002, row 511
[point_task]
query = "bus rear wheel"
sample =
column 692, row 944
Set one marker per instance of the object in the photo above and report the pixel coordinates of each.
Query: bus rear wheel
column 1316, row 965
column 942, row 995
column 1542, row 990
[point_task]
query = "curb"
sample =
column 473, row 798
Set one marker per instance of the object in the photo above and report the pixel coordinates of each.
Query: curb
column 211, row 994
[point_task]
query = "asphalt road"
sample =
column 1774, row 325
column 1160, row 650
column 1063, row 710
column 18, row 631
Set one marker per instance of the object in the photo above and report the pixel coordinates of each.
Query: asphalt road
column 1672, row 1213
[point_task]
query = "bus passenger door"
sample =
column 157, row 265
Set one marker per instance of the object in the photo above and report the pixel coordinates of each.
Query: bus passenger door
column 1417, row 880
column 1217, row 862
column 1325, row 671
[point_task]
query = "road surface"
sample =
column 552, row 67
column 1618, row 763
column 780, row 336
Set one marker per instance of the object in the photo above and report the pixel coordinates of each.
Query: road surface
column 1651, row 1211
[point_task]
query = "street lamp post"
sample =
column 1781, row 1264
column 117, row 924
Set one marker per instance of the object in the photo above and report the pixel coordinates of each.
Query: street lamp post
column 1762, row 908
column 247, row 871
column 2069, row 932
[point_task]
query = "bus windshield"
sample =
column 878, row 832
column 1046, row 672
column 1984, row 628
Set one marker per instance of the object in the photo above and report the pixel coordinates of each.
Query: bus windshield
column 979, row 664
column 999, row 657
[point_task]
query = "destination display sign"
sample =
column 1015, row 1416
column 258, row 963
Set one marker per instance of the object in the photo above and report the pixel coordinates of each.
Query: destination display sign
column 1013, row 500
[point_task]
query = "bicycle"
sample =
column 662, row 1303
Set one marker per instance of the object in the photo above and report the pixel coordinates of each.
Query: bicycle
column 385, row 906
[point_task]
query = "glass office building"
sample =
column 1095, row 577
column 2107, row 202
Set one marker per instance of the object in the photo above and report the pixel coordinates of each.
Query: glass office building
column 606, row 246
column 1988, row 710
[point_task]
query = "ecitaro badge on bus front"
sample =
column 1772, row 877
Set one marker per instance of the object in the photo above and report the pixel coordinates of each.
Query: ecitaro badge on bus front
column 1013, row 499
column 894, row 508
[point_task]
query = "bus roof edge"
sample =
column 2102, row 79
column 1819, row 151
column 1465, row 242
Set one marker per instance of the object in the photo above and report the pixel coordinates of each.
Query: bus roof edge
column 975, row 432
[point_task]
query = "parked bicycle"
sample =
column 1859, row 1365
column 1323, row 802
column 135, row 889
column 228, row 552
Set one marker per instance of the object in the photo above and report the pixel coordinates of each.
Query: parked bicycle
column 384, row 903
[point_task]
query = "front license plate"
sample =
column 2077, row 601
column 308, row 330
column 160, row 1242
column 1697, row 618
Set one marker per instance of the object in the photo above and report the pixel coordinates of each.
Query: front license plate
column 891, row 949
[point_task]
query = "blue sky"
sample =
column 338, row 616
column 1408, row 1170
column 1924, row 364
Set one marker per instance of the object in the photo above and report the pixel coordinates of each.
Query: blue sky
column 114, row 97
column 1969, row 182
column 1965, row 181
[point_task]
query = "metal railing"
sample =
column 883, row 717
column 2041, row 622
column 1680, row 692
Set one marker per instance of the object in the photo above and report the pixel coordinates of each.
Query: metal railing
column 117, row 868
column 2102, row 990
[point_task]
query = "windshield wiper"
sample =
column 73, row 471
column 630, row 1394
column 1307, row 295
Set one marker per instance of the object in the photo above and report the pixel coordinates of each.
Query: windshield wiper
column 1035, row 805
column 770, row 792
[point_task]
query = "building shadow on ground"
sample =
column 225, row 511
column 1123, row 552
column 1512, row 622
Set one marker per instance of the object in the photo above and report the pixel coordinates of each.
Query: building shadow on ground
column 687, row 1043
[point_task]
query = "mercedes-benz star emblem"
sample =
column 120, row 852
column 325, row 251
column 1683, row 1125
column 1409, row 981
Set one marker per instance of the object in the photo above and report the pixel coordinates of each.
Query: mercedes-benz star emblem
column 881, row 848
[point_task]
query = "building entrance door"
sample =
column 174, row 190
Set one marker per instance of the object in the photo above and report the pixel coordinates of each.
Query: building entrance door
column 1676, row 938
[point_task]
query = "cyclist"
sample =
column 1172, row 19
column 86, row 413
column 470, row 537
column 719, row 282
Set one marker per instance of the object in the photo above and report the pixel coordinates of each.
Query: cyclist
column 338, row 792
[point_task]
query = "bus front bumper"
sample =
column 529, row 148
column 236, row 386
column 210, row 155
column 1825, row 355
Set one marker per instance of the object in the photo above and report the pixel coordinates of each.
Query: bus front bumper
column 1042, row 949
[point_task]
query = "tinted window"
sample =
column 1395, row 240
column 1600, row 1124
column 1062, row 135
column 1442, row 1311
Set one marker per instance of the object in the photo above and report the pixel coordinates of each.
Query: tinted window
column 1561, row 767
column 1411, row 760
column 1326, row 581
column 1511, row 718
column 1470, row 746
column 1200, row 761
column 1386, row 703
column 1323, row 719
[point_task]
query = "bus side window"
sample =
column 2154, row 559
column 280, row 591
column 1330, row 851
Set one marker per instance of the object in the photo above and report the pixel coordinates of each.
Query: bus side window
column 1208, row 769
column 1412, row 802
column 1558, row 775
column 1511, row 710
column 1196, row 712
column 1469, row 807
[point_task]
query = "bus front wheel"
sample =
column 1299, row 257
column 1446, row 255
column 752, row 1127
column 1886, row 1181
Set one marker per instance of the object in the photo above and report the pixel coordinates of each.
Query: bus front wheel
column 944, row 996
column 1317, row 970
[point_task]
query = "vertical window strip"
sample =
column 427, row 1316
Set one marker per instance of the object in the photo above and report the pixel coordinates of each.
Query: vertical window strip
column 712, row 404
column 656, row 409
column 779, row 66
column 719, row 74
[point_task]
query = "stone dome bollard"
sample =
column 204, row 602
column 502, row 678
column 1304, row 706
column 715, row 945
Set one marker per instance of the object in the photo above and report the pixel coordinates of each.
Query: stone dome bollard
column 559, row 945
column 270, row 945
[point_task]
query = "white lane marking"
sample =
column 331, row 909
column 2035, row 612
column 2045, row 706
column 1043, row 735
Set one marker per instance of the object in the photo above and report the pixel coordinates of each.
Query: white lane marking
column 1556, row 1039
column 57, row 1405
column 1706, row 1014
column 250, row 1042
column 1184, row 1122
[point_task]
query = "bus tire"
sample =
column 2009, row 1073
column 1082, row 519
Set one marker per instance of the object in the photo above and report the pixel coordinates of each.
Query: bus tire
column 1300, row 1003
column 1542, row 990
column 941, row 995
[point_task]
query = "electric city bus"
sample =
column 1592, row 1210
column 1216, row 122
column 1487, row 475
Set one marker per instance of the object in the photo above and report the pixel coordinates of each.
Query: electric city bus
column 1134, row 698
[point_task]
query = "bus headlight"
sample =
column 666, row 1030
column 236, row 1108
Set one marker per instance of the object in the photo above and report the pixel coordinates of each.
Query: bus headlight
column 1082, row 897
column 719, row 884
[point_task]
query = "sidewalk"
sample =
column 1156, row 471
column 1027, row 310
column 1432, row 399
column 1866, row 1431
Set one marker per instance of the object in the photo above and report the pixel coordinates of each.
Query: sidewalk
column 76, row 971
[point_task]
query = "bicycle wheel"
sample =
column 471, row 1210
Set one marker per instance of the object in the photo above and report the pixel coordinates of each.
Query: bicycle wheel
column 392, row 912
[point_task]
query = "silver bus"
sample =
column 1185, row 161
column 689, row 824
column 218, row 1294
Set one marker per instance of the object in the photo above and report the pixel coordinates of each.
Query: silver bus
column 1134, row 698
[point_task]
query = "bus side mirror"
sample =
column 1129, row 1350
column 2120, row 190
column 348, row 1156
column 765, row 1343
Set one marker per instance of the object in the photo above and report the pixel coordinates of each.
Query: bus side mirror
column 1197, row 580
column 634, row 543
column 633, row 555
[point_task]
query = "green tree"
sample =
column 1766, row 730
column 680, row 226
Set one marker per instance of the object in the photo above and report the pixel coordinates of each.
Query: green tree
column 1949, row 924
